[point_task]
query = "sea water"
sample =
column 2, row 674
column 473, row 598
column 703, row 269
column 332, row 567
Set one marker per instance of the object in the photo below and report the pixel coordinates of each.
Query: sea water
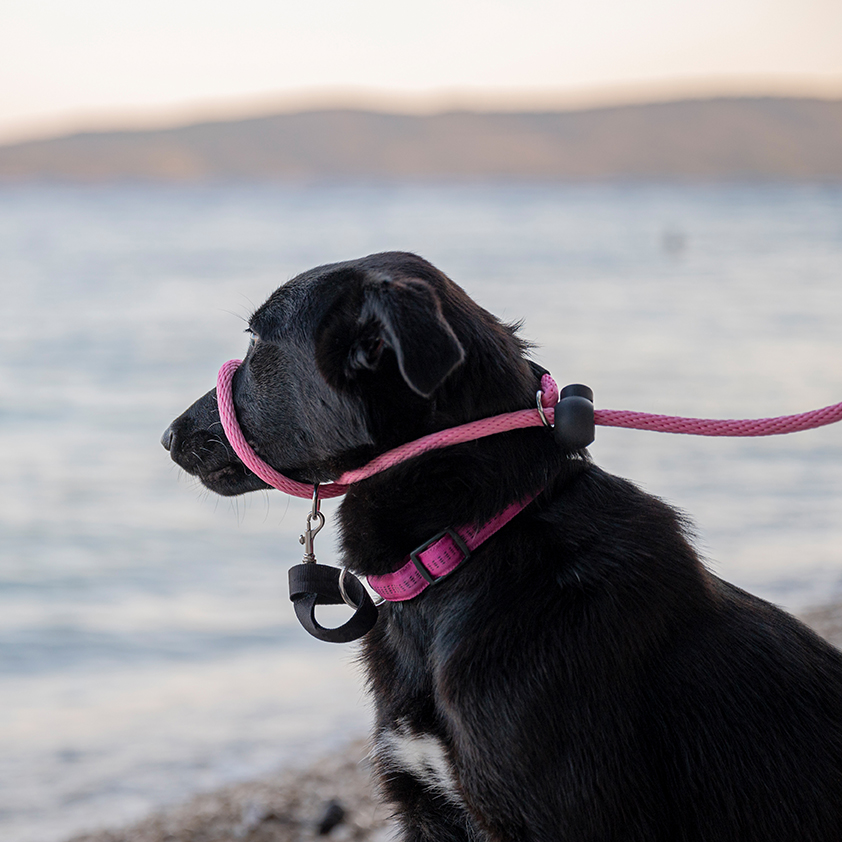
column 147, row 646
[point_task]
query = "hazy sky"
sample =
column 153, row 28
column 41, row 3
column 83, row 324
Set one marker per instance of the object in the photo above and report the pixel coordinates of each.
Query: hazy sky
column 66, row 63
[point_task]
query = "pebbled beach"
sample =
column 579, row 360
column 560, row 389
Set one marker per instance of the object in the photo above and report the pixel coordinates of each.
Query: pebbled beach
column 333, row 798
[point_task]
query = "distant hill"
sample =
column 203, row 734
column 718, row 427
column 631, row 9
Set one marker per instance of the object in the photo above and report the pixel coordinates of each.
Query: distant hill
column 714, row 139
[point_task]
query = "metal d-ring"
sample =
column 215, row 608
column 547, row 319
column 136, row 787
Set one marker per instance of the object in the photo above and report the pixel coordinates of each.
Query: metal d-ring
column 378, row 600
column 538, row 395
column 347, row 599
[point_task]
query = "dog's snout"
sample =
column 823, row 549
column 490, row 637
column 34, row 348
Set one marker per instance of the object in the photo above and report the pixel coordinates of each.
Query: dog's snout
column 196, row 444
column 167, row 438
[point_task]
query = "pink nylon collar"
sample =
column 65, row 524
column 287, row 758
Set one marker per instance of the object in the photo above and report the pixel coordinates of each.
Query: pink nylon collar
column 439, row 556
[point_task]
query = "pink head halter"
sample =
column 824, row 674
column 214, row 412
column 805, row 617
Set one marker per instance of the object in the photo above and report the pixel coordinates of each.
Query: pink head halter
column 455, row 435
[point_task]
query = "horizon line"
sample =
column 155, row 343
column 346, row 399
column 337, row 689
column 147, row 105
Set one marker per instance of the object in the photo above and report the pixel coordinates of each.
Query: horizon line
column 406, row 103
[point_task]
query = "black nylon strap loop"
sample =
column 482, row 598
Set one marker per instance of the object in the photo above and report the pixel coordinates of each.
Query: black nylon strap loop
column 317, row 584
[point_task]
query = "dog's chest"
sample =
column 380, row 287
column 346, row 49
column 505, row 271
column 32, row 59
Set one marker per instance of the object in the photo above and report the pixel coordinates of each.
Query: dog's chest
column 421, row 755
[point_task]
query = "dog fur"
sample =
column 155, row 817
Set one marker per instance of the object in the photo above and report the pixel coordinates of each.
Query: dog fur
column 583, row 677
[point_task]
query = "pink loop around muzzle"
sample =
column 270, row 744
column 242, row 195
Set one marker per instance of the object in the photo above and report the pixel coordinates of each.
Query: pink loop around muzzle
column 228, row 417
column 445, row 438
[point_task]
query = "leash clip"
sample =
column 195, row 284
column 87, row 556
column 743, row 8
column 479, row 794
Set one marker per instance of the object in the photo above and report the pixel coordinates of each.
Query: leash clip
column 312, row 584
column 309, row 536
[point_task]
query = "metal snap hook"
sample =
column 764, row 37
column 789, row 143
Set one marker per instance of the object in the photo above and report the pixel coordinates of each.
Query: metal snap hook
column 310, row 533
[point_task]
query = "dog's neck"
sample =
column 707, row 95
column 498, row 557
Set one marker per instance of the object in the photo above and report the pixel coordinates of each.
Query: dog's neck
column 385, row 517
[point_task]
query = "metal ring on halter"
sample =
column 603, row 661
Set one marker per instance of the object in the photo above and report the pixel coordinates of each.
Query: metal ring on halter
column 538, row 395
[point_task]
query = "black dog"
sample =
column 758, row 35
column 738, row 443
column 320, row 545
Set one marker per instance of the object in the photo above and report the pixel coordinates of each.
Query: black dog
column 582, row 677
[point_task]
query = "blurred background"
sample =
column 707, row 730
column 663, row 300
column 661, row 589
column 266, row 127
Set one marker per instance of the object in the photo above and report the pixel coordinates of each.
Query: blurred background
column 654, row 188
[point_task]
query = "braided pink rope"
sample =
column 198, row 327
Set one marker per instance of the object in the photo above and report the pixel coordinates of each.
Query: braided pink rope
column 250, row 459
column 713, row 427
column 458, row 435
column 500, row 424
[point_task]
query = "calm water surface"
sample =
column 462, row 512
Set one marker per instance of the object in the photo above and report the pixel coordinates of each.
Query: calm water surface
column 147, row 647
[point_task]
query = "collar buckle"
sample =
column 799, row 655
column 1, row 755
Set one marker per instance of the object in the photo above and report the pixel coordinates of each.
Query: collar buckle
column 430, row 577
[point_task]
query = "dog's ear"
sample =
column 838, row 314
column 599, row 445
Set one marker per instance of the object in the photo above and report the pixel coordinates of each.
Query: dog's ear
column 405, row 315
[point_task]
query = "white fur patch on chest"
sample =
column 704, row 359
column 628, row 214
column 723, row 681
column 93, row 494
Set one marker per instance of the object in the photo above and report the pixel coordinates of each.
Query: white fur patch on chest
column 421, row 755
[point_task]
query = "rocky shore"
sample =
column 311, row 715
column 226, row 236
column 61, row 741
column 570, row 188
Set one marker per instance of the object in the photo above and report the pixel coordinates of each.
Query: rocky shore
column 332, row 799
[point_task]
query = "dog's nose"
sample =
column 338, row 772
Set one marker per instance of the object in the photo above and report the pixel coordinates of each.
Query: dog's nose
column 167, row 438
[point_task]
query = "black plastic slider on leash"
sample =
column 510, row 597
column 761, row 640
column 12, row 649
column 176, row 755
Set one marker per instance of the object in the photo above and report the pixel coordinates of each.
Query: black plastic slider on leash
column 573, row 425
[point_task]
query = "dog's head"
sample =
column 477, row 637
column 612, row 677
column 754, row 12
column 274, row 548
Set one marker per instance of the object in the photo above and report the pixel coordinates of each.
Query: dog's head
column 348, row 360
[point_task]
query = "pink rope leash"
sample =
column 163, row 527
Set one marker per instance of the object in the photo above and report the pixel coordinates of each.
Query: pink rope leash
column 502, row 423
column 713, row 427
column 455, row 435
